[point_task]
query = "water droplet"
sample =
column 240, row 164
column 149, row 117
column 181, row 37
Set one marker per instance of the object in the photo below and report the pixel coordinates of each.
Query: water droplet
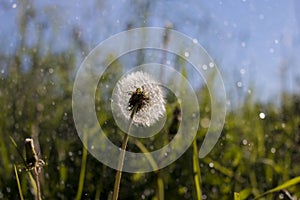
column 186, row 54
column 245, row 142
column 205, row 122
column 262, row 115
column 273, row 150
column 211, row 165
column 195, row 41
column 211, row 64
column 276, row 41
column 239, row 84
column 8, row 189
column 242, row 71
column 281, row 196
column 204, row 67
column 2, row 71
column 271, row 50
column 51, row 70
column 243, row 44
column 14, row 5
column 92, row 147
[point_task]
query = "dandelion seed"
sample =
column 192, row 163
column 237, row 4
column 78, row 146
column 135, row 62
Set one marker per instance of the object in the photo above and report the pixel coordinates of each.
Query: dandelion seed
column 140, row 90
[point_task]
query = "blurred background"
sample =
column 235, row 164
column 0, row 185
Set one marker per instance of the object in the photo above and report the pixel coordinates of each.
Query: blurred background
column 254, row 44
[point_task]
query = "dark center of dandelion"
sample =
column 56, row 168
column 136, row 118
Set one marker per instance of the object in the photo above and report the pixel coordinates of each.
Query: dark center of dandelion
column 138, row 100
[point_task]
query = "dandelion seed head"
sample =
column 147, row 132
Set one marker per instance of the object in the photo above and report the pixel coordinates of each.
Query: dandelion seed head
column 152, row 109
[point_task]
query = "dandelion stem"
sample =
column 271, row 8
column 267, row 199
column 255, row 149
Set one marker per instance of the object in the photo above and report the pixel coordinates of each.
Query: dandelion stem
column 122, row 156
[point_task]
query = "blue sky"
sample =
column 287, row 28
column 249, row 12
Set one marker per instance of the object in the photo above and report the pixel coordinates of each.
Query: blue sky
column 253, row 42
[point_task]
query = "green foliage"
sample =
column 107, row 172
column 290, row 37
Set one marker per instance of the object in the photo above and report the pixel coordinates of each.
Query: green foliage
column 252, row 155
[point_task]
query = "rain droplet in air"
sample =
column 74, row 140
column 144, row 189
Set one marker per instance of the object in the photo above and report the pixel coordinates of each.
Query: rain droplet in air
column 243, row 44
column 262, row 115
column 273, row 150
column 239, row 84
column 242, row 71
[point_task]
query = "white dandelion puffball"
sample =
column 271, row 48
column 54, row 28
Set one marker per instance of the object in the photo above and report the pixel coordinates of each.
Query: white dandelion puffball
column 140, row 85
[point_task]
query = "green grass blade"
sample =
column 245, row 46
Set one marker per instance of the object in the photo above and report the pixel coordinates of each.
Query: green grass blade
column 16, row 146
column 32, row 183
column 82, row 173
column 160, row 187
column 237, row 196
column 18, row 182
column 196, row 168
column 285, row 185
